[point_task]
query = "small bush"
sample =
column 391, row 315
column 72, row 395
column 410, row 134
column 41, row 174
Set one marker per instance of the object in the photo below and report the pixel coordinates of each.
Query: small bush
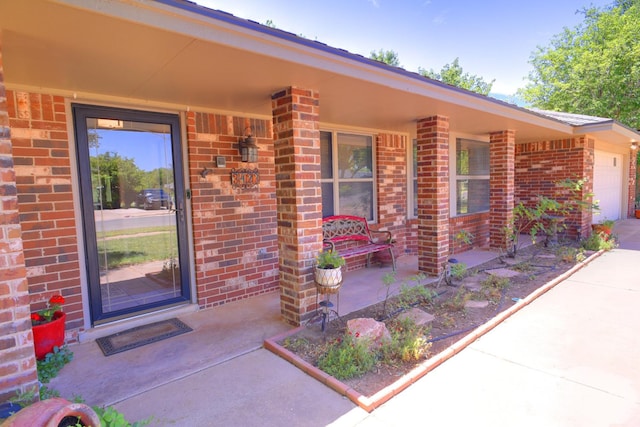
column 459, row 270
column 408, row 342
column 347, row 358
column 597, row 242
column 458, row 301
column 493, row 286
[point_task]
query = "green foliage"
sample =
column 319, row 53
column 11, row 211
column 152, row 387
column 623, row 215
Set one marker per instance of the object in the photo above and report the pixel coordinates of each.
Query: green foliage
column 597, row 242
column 454, row 75
column 389, row 57
column 412, row 295
column 52, row 363
column 458, row 301
column 593, row 67
column 329, row 259
column 111, row 417
column 348, row 358
column 493, row 286
column 459, row 270
column 570, row 254
column 408, row 341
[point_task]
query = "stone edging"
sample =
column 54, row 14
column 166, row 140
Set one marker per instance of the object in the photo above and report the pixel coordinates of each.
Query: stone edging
column 372, row 402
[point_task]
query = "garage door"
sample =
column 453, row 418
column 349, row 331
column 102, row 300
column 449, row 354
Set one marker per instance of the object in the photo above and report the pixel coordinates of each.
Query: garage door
column 607, row 185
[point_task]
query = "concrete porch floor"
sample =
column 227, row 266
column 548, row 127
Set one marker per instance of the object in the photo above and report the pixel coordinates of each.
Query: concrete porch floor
column 219, row 335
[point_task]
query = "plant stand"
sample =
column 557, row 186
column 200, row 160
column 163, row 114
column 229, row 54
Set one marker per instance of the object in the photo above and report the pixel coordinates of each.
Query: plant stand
column 324, row 292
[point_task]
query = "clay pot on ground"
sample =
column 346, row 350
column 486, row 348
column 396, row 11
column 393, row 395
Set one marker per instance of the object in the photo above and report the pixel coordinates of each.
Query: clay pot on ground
column 54, row 412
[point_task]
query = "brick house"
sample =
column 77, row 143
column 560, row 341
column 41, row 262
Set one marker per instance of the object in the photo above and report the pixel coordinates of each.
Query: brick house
column 100, row 101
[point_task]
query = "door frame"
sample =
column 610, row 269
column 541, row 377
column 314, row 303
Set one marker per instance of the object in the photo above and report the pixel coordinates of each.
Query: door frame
column 82, row 111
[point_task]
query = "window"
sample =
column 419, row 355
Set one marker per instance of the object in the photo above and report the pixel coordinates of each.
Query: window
column 346, row 163
column 472, row 176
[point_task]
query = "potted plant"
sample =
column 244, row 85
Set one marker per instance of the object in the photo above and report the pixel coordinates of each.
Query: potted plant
column 638, row 208
column 603, row 227
column 329, row 269
column 48, row 327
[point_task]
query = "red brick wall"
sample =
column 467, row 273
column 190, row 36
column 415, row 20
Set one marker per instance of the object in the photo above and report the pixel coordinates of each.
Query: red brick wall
column 476, row 224
column 297, row 158
column 540, row 165
column 17, row 358
column 433, row 193
column 43, row 173
column 234, row 230
column 501, row 164
column 391, row 175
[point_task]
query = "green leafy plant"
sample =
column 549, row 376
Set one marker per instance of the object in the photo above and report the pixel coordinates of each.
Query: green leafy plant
column 459, row 270
column 347, row 358
column 111, row 417
column 46, row 315
column 458, row 301
column 49, row 367
column 409, row 341
column 597, row 242
column 329, row 259
column 410, row 296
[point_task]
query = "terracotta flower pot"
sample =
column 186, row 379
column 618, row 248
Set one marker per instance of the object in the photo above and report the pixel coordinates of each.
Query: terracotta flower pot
column 53, row 412
column 49, row 335
column 638, row 213
column 599, row 228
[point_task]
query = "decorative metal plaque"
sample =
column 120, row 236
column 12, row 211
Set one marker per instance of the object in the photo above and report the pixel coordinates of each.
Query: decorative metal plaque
column 245, row 179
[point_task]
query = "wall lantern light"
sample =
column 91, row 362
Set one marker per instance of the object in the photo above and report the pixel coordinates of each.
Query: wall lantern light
column 248, row 148
column 634, row 145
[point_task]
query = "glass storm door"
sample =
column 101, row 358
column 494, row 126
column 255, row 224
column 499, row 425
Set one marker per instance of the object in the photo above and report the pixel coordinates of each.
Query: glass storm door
column 132, row 200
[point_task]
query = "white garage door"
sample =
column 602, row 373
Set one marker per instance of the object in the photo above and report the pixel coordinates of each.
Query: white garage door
column 607, row 185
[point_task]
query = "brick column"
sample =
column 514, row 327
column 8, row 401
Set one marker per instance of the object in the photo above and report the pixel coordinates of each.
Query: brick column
column 17, row 357
column 296, row 135
column 633, row 166
column 433, row 193
column 502, row 185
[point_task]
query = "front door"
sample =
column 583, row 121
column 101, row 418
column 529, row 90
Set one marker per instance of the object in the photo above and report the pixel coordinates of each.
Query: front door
column 130, row 169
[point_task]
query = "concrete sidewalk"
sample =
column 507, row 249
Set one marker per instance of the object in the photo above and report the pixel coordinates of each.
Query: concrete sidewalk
column 571, row 358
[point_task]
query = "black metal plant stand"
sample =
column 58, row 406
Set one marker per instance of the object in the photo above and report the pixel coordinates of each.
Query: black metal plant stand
column 324, row 303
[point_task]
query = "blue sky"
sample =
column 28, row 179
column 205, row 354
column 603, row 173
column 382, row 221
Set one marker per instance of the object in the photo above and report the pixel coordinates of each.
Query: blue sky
column 493, row 39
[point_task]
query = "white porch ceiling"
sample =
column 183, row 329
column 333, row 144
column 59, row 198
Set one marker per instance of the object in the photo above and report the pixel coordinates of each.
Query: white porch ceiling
column 147, row 51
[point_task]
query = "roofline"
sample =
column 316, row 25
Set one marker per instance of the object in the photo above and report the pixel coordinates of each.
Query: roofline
column 443, row 91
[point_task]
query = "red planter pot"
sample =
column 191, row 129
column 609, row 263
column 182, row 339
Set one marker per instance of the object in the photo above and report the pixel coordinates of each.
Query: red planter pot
column 49, row 335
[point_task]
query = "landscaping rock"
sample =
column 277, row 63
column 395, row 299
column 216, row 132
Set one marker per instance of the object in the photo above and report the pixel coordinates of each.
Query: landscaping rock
column 419, row 317
column 376, row 333
column 476, row 304
column 473, row 283
column 502, row 272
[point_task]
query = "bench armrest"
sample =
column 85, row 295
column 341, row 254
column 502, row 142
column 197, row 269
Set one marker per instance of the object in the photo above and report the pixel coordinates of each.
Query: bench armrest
column 327, row 242
column 388, row 239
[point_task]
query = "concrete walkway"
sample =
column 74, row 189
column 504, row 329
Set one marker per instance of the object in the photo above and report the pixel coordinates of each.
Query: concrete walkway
column 570, row 358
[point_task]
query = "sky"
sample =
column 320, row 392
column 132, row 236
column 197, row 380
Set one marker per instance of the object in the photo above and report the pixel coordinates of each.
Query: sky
column 493, row 39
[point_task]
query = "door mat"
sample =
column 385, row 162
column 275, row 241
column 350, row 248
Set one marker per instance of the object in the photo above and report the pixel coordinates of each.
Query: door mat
column 141, row 335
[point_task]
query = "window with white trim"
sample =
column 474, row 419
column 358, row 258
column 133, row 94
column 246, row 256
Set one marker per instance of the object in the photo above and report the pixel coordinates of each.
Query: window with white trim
column 472, row 176
column 347, row 178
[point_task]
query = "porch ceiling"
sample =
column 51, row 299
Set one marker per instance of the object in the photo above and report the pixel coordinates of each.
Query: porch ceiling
column 155, row 53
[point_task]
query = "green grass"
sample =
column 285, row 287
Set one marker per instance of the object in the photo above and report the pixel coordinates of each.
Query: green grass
column 132, row 231
column 137, row 249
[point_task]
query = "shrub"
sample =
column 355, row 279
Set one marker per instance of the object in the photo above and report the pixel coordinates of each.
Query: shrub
column 597, row 242
column 347, row 358
column 408, row 341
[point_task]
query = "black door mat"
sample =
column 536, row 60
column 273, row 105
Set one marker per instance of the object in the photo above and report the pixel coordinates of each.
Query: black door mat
column 141, row 335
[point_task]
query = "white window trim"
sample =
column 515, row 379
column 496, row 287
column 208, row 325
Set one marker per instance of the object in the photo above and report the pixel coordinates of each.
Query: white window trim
column 334, row 131
column 453, row 177
column 410, row 196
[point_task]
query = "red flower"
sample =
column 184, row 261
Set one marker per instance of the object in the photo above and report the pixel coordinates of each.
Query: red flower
column 56, row 300
column 35, row 317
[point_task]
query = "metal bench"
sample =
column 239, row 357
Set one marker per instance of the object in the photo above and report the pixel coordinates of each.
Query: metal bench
column 348, row 228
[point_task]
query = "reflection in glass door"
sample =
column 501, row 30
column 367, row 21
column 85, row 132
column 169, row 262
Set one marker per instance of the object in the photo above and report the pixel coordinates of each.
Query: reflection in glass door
column 132, row 195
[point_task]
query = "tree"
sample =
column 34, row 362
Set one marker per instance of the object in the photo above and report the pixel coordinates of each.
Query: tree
column 389, row 57
column 454, row 75
column 593, row 68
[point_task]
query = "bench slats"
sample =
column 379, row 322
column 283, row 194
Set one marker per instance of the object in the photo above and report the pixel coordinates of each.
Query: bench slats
column 343, row 228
